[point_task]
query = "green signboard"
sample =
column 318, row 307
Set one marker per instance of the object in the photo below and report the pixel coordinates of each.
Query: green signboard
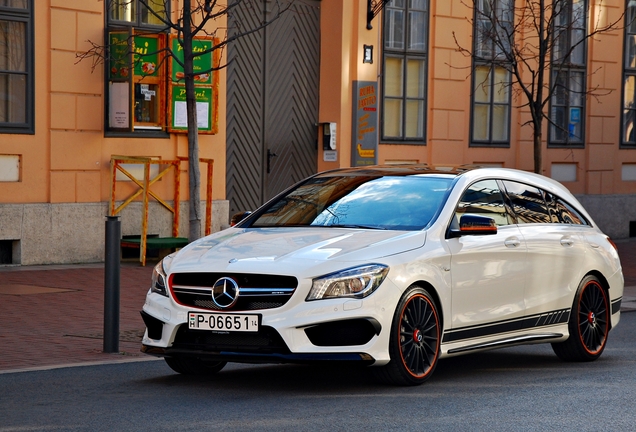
column 201, row 64
column 119, row 55
column 145, row 59
column 146, row 56
column 205, row 108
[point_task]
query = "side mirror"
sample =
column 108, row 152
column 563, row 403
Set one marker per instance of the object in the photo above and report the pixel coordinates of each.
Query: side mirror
column 474, row 225
column 237, row 217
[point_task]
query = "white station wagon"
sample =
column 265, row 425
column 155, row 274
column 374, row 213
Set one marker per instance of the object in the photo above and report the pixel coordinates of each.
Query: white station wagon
column 394, row 267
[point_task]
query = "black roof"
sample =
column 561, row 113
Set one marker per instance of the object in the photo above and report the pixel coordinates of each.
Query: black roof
column 406, row 169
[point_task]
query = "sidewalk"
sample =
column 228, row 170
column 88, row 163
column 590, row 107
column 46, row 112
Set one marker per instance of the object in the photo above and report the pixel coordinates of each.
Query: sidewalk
column 53, row 315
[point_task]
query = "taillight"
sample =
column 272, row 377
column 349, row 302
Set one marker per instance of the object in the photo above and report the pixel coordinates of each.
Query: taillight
column 612, row 243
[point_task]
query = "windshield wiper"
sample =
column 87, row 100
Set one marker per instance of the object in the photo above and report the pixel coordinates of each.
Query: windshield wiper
column 375, row 227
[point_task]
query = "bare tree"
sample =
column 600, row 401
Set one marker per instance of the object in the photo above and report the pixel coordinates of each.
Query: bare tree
column 539, row 43
column 197, row 18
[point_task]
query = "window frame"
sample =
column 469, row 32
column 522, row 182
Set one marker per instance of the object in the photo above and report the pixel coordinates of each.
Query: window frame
column 137, row 23
column 570, row 68
column 628, row 72
column 27, row 17
column 492, row 63
column 138, row 28
column 405, row 54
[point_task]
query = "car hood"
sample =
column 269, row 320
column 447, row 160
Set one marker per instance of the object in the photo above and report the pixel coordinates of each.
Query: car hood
column 265, row 249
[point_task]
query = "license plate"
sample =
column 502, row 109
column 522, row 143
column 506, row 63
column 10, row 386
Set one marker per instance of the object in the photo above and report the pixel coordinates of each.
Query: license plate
column 223, row 322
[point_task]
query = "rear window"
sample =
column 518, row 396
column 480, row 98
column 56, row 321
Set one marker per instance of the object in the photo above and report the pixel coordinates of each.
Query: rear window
column 562, row 212
column 389, row 202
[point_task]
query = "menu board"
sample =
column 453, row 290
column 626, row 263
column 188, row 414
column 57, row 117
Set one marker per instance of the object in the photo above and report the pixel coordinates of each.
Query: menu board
column 201, row 64
column 119, row 55
column 205, row 83
column 204, row 111
column 146, row 55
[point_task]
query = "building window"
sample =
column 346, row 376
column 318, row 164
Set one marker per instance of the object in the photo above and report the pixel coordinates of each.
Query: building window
column 567, row 104
column 491, row 76
column 136, row 70
column 405, row 71
column 134, row 12
column 628, row 130
column 16, row 66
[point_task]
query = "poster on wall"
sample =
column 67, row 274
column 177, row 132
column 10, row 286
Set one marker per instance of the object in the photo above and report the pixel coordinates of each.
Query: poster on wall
column 201, row 64
column 119, row 105
column 179, row 116
column 365, row 124
column 146, row 56
column 119, row 54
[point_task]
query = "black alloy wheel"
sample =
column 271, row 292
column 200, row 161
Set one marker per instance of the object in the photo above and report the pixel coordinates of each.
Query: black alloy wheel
column 589, row 323
column 415, row 340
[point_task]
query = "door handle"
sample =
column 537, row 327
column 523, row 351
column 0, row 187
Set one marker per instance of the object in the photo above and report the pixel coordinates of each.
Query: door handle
column 270, row 155
column 567, row 241
column 512, row 242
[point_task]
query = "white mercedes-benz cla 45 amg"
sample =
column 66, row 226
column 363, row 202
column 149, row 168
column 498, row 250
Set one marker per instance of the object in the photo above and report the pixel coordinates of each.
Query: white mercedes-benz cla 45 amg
column 394, row 267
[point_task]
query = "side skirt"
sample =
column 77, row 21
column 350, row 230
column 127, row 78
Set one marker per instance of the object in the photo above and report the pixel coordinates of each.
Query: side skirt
column 517, row 340
column 521, row 324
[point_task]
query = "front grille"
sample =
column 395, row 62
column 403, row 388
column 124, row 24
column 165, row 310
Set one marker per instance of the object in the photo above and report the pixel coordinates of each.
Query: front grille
column 257, row 291
column 265, row 341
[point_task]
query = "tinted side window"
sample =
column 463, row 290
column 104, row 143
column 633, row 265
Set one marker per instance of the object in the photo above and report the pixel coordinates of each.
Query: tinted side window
column 527, row 203
column 484, row 199
column 563, row 212
column 551, row 201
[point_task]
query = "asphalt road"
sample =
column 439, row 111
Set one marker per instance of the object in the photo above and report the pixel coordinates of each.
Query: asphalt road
column 521, row 388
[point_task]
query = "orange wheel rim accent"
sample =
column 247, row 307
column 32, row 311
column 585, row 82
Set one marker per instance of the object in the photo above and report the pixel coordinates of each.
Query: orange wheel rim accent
column 418, row 334
column 593, row 318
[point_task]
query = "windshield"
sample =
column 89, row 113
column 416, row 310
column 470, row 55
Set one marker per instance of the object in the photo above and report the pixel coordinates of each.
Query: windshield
column 390, row 202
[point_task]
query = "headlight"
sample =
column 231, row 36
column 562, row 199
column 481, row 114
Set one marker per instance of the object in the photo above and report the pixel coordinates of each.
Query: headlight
column 159, row 279
column 357, row 282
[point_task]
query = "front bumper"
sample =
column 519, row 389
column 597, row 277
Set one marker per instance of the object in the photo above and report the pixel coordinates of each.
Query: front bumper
column 351, row 330
column 241, row 357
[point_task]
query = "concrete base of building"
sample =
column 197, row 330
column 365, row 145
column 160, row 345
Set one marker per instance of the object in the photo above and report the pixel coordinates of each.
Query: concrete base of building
column 32, row 234
column 614, row 214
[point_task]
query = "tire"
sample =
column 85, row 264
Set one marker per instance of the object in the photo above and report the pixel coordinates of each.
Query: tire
column 194, row 366
column 415, row 340
column 588, row 324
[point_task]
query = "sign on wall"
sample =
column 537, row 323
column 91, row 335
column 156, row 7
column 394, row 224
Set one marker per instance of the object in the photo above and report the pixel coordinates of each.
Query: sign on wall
column 206, row 83
column 204, row 108
column 201, row 65
column 365, row 124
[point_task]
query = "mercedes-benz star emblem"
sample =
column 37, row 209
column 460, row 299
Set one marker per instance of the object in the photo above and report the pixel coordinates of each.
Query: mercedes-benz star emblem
column 225, row 292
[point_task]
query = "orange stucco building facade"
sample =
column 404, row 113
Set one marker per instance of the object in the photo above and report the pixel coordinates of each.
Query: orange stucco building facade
column 55, row 174
column 58, row 182
column 600, row 171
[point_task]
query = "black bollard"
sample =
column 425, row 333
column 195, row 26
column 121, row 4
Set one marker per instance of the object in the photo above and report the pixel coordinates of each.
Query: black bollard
column 111, row 284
